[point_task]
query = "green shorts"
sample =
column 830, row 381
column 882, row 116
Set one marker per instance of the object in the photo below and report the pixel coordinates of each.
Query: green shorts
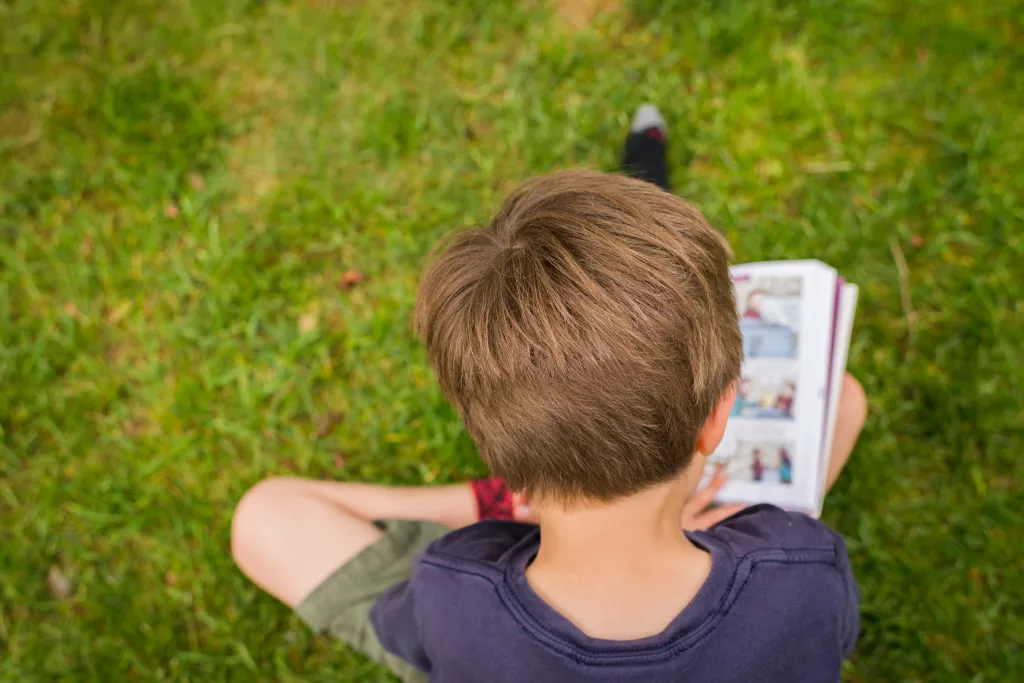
column 341, row 604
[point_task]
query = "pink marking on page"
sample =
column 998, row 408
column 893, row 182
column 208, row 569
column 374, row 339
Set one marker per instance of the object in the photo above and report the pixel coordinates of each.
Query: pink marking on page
column 831, row 361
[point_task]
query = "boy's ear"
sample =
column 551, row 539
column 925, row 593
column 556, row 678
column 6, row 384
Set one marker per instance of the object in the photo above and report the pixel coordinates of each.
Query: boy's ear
column 711, row 434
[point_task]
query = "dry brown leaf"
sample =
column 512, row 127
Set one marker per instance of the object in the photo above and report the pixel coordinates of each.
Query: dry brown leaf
column 171, row 211
column 351, row 279
column 308, row 321
column 339, row 461
column 975, row 575
column 326, row 423
column 579, row 14
column 117, row 352
column 118, row 312
column 86, row 248
column 135, row 426
column 59, row 585
column 72, row 310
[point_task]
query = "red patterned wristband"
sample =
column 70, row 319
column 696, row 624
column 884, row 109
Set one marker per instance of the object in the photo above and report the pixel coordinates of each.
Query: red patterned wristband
column 493, row 498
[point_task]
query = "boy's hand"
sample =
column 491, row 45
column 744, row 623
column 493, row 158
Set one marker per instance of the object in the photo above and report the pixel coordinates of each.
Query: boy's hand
column 521, row 510
column 698, row 513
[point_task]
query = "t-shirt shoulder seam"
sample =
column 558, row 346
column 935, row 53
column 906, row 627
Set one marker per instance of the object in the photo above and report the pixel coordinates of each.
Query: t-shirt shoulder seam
column 797, row 555
column 540, row 638
column 790, row 549
column 475, row 568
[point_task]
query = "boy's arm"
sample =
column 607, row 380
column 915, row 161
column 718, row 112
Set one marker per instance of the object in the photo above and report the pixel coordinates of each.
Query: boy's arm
column 452, row 505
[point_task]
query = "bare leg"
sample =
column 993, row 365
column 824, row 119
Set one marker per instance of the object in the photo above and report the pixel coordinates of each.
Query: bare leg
column 290, row 534
column 853, row 411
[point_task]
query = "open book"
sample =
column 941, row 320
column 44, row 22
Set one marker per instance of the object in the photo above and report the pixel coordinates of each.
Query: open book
column 796, row 318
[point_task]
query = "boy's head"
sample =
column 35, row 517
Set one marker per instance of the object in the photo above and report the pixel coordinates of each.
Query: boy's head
column 585, row 336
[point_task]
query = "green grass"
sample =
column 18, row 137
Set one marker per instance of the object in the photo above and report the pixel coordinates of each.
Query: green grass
column 183, row 183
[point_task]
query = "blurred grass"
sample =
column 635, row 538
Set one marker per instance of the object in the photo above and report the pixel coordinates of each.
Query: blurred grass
column 182, row 185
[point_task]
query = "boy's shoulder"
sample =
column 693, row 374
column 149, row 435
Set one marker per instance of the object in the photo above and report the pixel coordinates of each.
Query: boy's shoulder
column 766, row 528
column 767, row 536
column 755, row 529
column 485, row 544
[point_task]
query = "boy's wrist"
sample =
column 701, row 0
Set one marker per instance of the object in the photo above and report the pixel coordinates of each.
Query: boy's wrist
column 494, row 500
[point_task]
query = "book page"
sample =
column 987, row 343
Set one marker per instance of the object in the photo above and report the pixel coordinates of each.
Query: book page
column 772, row 444
column 841, row 346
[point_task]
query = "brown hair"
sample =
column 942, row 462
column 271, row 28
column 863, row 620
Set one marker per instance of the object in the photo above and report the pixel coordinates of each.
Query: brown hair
column 585, row 335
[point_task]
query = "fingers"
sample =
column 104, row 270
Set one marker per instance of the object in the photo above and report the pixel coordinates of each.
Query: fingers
column 696, row 513
column 705, row 496
column 523, row 513
column 714, row 516
column 521, row 510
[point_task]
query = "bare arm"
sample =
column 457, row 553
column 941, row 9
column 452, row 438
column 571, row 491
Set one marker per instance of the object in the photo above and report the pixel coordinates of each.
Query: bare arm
column 453, row 505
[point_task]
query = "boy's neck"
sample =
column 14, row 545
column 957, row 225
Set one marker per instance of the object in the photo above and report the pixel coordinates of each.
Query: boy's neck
column 620, row 570
column 646, row 521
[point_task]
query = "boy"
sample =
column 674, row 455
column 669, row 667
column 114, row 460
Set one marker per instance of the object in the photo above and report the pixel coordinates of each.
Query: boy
column 589, row 339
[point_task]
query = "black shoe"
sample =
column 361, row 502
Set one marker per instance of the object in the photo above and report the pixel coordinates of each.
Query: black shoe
column 646, row 153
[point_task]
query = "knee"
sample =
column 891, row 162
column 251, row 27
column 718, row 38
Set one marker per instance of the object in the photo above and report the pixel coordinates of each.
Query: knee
column 253, row 517
column 853, row 402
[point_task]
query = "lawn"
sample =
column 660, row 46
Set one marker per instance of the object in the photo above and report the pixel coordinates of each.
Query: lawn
column 213, row 217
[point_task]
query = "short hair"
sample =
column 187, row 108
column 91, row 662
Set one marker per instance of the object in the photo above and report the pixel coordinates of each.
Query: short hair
column 585, row 335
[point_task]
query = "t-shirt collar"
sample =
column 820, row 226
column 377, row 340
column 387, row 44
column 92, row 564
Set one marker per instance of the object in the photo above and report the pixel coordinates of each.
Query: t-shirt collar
column 685, row 630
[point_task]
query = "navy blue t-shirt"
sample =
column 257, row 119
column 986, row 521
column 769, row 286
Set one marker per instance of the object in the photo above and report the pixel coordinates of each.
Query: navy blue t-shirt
column 780, row 604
